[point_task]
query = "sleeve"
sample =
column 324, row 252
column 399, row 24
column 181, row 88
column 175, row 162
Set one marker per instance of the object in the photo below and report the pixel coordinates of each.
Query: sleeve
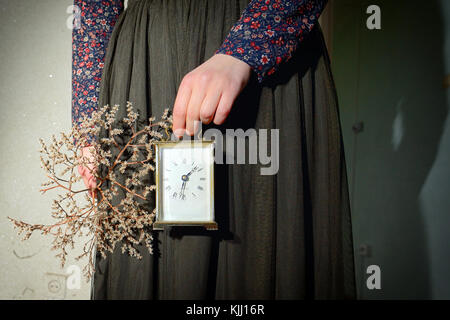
column 92, row 28
column 269, row 31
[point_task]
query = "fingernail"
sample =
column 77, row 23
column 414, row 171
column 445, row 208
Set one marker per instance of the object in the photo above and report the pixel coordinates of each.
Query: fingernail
column 179, row 132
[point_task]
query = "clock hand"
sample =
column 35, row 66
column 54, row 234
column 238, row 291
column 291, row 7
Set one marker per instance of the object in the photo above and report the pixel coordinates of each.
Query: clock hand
column 192, row 171
column 183, row 186
column 185, row 179
column 196, row 169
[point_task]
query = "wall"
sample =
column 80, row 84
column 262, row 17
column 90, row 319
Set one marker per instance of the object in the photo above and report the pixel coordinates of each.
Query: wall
column 35, row 90
column 390, row 80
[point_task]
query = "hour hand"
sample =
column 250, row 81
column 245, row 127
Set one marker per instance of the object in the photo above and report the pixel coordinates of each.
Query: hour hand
column 192, row 171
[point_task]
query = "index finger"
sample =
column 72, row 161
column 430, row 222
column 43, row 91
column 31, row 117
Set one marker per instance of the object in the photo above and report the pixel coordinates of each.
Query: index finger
column 180, row 109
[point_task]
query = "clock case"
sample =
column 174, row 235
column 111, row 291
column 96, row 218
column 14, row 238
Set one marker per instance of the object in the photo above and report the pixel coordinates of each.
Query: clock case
column 159, row 222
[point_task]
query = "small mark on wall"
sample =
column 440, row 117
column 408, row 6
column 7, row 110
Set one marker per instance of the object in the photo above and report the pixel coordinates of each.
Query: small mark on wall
column 447, row 81
column 24, row 256
column 26, row 294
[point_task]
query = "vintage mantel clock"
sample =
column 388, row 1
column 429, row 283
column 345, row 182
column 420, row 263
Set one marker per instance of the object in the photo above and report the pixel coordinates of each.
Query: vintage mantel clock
column 185, row 184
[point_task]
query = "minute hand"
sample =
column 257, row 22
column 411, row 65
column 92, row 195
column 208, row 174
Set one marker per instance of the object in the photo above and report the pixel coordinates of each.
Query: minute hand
column 183, row 187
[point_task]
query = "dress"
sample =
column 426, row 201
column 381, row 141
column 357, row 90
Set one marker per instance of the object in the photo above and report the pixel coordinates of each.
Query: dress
column 283, row 236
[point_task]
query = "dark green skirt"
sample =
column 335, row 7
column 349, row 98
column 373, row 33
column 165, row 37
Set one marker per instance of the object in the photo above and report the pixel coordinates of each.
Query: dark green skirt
column 285, row 236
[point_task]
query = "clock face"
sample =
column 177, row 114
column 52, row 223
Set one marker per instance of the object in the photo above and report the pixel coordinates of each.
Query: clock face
column 185, row 181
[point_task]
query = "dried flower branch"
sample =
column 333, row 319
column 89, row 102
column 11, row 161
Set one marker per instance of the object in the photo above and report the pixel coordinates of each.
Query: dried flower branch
column 119, row 209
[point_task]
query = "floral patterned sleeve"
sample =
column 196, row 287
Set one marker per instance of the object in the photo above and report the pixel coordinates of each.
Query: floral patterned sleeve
column 269, row 31
column 93, row 24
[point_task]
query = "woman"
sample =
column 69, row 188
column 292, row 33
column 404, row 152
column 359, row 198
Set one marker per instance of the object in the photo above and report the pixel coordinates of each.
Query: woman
column 286, row 236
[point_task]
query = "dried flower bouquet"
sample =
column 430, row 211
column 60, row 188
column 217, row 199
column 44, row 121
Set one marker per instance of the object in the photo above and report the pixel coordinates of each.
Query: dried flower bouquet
column 119, row 209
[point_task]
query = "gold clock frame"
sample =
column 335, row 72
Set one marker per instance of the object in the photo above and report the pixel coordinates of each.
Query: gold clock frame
column 159, row 222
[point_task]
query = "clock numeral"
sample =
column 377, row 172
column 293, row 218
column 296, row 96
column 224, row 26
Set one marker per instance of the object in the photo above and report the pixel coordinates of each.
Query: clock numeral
column 200, row 188
column 202, row 179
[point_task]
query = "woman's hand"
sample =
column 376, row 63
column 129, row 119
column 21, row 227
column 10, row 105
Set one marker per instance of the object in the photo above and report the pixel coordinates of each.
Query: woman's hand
column 207, row 93
column 84, row 170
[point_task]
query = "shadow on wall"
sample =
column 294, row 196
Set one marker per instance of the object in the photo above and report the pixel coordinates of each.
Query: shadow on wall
column 403, row 105
column 434, row 197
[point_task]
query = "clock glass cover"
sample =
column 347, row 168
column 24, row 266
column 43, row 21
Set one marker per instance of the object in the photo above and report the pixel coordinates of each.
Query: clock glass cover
column 185, row 173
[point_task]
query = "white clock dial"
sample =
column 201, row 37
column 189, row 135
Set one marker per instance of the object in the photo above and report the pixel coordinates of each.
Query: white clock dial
column 186, row 183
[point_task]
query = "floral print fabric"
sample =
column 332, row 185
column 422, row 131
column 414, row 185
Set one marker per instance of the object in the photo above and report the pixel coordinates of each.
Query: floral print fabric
column 269, row 31
column 265, row 36
column 90, row 37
